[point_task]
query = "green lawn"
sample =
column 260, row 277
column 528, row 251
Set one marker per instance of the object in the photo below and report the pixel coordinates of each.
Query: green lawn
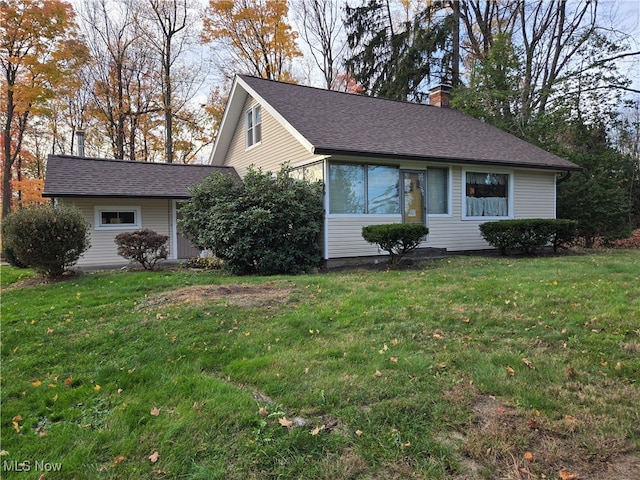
column 469, row 367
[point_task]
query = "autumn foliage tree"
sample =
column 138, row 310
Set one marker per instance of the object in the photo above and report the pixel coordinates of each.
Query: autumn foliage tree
column 39, row 48
column 260, row 40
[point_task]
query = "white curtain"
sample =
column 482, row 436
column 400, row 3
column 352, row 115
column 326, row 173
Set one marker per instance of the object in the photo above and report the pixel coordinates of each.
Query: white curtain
column 487, row 207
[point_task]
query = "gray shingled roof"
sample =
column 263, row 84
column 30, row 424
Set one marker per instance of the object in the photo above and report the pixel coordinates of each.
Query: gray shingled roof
column 342, row 123
column 68, row 176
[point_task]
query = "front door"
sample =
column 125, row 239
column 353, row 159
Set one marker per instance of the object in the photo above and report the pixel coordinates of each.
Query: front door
column 184, row 248
column 414, row 205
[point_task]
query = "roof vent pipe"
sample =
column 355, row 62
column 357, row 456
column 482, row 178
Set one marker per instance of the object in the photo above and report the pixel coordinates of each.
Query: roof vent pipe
column 80, row 139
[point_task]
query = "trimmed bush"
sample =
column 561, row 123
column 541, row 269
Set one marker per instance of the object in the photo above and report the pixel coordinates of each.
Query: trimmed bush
column 395, row 238
column 11, row 258
column 528, row 234
column 143, row 246
column 45, row 238
column 267, row 225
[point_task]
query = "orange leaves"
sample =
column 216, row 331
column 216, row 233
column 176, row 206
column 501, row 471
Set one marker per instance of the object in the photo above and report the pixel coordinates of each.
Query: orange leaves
column 510, row 370
column 568, row 475
column 257, row 33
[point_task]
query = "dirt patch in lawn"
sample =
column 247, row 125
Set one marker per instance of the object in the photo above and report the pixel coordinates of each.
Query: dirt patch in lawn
column 513, row 444
column 246, row 296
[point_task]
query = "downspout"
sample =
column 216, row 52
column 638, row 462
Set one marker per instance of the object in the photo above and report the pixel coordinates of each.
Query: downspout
column 563, row 178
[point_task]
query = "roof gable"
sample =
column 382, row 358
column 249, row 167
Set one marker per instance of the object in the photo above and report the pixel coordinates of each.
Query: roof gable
column 69, row 176
column 330, row 122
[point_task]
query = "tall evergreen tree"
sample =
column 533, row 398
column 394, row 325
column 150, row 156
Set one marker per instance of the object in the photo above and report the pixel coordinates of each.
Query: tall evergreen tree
column 394, row 59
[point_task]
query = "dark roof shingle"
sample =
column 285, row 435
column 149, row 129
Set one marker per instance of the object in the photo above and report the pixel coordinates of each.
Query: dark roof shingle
column 68, row 176
column 342, row 123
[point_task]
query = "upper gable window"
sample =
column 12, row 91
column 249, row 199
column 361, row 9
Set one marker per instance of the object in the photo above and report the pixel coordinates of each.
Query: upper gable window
column 253, row 122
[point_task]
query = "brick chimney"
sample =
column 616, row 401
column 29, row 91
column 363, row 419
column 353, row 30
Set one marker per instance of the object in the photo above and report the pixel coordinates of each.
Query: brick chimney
column 439, row 95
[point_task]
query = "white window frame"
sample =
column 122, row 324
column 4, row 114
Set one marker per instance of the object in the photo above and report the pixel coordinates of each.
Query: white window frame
column 510, row 196
column 449, row 193
column 98, row 225
column 250, row 131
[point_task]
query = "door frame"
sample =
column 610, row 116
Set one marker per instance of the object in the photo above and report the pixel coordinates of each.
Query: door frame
column 423, row 190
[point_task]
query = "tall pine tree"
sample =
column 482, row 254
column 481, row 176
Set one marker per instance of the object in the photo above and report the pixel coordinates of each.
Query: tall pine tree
column 396, row 59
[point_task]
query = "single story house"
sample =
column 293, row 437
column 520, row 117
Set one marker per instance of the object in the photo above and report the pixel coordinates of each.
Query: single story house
column 117, row 196
column 386, row 161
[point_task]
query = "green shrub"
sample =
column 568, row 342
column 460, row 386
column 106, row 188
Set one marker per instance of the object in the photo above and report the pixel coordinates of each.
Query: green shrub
column 143, row 246
column 528, row 234
column 267, row 225
column 11, row 258
column 395, row 238
column 204, row 263
column 45, row 238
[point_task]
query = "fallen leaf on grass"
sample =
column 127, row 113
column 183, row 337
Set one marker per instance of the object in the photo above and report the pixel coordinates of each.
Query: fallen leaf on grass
column 36, row 383
column 118, row 459
column 528, row 364
column 153, row 458
column 394, row 359
column 263, row 412
column 359, row 432
column 16, row 423
column 510, row 370
column 568, row 475
column 97, row 388
column 285, row 423
column 155, row 411
column 317, row 430
column 528, row 456
column 378, row 373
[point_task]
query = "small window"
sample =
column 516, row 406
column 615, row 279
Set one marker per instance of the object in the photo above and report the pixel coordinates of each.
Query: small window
column 254, row 126
column 311, row 173
column 123, row 218
column 437, row 191
column 487, row 194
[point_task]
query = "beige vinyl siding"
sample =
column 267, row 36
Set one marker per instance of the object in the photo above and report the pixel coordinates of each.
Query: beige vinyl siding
column 534, row 197
column 535, row 194
column 155, row 213
column 345, row 235
column 276, row 147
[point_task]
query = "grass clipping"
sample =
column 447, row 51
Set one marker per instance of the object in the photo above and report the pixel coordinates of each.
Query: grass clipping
column 246, row 296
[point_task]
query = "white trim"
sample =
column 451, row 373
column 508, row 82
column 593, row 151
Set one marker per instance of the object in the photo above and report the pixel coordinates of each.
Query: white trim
column 252, row 110
column 97, row 217
column 510, row 198
column 325, row 254
column 174, row 228
column 364, row 215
